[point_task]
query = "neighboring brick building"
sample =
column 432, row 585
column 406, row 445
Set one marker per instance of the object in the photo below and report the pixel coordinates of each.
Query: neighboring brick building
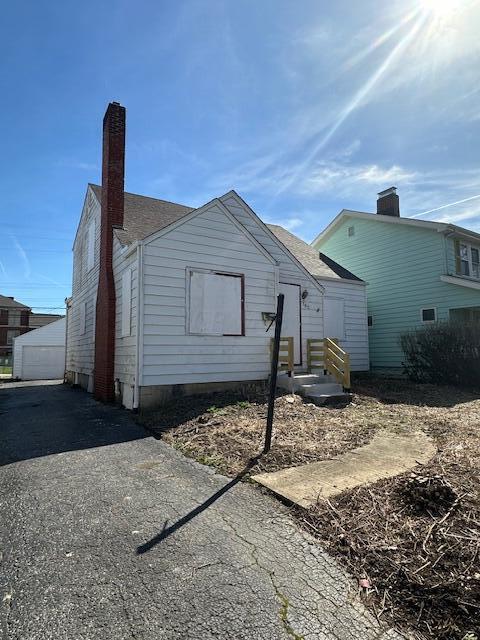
column 16, row 318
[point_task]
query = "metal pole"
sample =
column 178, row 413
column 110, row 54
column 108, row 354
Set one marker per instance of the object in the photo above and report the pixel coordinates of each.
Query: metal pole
column 273, row 373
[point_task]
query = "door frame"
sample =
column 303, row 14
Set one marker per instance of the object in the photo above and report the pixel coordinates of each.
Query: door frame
column 294, row 284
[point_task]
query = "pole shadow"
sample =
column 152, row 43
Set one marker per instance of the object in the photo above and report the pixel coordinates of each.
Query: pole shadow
column 167, row 531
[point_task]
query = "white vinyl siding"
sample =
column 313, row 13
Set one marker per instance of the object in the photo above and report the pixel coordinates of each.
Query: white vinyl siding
column 125, row 345
column 289, row 270
column 81, row 345
column 209, row 242
column 82, row 309
column 214, row 303
column 355, row 340
column 91, row 245
column 126, row 303
column 334, row 318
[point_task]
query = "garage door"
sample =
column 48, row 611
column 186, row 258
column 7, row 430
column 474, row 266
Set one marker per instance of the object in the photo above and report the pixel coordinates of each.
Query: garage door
column 43, row 363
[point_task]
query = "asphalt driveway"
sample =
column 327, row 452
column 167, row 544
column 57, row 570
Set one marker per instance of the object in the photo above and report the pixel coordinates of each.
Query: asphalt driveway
column 107, row 533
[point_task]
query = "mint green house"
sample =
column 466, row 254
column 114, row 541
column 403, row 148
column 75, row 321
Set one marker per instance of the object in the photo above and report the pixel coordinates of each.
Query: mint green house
column 417, row 272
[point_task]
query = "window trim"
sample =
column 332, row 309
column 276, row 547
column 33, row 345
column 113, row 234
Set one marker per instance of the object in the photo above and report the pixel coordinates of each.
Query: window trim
column 126, row 314
column 428, row 309
column 215, row 272
column 90, row 261
column 458, row 259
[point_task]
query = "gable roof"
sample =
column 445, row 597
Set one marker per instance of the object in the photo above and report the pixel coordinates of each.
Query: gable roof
column 143, row 216
column 319, row 265
column 441, row 227
column 11, row 303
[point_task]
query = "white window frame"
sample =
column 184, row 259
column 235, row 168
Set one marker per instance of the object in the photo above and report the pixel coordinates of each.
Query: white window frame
column 90, row 245
column 82, row 317
column 218, row 272
column 428, row 309
column 469, row 260
column 126, row 315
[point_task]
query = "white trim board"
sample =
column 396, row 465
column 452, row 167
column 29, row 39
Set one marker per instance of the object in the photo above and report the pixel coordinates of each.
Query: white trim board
column 463, row 282
column 241, row 202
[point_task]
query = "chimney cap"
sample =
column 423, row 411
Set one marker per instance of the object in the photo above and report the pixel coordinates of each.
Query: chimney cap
column 387, row 192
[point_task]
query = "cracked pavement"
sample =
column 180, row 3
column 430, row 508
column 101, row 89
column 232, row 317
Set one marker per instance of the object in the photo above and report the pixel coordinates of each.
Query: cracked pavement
column 84, row 497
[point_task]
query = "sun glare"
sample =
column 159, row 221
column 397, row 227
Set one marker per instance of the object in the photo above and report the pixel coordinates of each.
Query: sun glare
column 442, row 8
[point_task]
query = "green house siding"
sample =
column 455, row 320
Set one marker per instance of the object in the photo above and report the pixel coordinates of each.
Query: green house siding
column 402, row 266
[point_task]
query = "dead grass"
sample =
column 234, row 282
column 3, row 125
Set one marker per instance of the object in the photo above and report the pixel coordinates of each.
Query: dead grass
column 226, row 430
column 421, row 557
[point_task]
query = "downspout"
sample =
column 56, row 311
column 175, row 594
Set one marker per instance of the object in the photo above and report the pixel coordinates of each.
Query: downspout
column 139, row 341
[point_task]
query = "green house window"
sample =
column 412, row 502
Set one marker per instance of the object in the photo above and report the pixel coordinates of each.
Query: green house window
column 467, row 260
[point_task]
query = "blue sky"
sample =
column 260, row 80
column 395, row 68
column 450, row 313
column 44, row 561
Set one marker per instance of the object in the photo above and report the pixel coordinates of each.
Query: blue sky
column 303, row 107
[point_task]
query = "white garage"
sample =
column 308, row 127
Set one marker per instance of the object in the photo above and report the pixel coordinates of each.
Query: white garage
column 40, row 354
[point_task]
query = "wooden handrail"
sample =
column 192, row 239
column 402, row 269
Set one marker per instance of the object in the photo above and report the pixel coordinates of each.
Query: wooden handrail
column 337, row 362
column 285, row 356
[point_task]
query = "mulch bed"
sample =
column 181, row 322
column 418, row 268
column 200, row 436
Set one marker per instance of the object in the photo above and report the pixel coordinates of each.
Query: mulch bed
column 225, row 430
column 412, row 541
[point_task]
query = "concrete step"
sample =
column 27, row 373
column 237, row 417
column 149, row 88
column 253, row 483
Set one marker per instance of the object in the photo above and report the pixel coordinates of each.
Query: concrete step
column 313, row 378
column 328, row 398
column 324, row 388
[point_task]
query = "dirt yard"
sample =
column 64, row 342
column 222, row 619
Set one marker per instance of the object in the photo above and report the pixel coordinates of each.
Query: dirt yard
column 413, row 542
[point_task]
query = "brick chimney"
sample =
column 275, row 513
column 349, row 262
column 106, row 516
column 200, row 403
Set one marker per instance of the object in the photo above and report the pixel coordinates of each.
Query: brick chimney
column 388, row 203
column 113, row 172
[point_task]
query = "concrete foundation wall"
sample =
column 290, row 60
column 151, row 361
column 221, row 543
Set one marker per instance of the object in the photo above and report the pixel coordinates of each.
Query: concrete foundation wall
column 153, row 397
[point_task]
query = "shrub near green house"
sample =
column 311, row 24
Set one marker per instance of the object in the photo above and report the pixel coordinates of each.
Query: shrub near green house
column 417, row 272
column 444, row 353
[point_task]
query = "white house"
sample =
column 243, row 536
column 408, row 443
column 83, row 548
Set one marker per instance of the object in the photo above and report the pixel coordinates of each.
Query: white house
column 168, row 299
column 40, row 354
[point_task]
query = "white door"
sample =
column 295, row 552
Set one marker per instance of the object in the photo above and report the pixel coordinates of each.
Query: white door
column 43, row 363
column 334, row 318
column 292, row 322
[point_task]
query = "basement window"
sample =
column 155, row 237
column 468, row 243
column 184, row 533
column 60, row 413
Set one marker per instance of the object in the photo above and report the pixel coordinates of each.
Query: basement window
column 428, row 315
column 215, row 303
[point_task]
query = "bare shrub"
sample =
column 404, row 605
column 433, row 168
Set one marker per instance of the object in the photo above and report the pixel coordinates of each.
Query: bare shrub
column 443, row 353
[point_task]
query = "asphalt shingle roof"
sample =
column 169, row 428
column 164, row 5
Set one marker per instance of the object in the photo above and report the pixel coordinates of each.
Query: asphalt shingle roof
column 319, row 265
column 143, row 216
column 11, row 303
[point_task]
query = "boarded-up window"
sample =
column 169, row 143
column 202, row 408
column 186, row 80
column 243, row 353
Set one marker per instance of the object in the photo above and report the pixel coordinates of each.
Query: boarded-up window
column 334, row 317
column 126, row 303
column 82, row 312
column 216, row 304
column 91, row 245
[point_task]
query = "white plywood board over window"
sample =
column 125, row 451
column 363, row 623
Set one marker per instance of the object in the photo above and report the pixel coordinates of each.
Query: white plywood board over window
column 215, row 303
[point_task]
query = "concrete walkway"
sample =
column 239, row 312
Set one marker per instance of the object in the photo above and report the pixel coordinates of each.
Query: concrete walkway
column 111, row 534
column 386, row 456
